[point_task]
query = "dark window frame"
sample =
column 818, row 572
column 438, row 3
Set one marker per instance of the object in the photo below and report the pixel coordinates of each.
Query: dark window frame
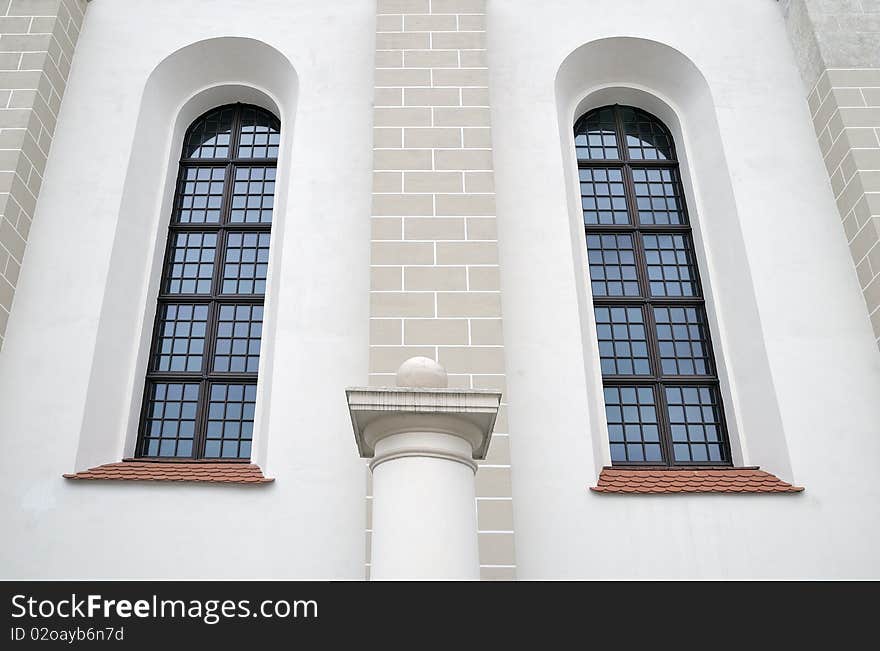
column 657, row 381
column 206, row 377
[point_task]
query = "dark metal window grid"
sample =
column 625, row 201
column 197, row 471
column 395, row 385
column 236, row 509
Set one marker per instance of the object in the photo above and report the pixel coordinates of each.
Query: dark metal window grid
column 210, row 410
column 662, row 394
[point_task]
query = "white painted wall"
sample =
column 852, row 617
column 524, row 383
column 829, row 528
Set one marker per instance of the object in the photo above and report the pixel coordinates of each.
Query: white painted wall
column 801, row 374
column 71, row 372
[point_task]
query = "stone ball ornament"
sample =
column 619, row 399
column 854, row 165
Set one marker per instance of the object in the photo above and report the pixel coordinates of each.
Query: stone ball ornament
column 422, row 373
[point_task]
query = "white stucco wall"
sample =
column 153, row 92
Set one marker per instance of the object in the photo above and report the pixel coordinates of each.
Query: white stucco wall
column 801, row 373
column 71, row 373
column 801, row 376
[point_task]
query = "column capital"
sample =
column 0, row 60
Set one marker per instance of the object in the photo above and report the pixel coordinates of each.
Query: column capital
column 379, row 412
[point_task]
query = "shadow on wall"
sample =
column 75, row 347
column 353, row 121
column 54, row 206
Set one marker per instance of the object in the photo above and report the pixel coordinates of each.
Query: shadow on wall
column 184, row 85
column 663, row 81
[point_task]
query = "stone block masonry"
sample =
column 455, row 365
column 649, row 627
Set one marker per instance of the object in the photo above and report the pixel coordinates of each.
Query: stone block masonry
column 434, row 265
column 37, row 40
column 837, row 46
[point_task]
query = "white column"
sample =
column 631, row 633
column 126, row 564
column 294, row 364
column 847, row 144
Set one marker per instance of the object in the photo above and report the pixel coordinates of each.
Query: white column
column 424, row 509
column 423, row 438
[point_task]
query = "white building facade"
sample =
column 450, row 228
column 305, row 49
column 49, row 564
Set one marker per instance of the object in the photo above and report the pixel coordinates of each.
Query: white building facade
column 640, row 239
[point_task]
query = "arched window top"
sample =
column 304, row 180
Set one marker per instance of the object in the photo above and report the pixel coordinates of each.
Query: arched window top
column 599, row 134
column 236, row 131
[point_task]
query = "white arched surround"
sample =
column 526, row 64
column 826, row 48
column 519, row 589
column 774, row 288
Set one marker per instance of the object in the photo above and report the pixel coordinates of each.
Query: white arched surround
column 798, row 372
column 746, row 382
column 74, row 359
column 184, row 86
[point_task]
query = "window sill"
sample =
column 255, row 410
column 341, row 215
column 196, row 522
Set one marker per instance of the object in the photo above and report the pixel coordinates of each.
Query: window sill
column 664, row 480
column 210, row 472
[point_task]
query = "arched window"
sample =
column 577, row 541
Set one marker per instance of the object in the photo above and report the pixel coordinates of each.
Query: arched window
column 662, row 399
column 202, row 376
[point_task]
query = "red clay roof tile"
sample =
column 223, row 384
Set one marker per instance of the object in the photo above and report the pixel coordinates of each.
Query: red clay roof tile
column 196, row 471
column 690, row 480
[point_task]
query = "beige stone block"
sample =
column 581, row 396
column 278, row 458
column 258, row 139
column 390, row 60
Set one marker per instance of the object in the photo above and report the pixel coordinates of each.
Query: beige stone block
column 482, row 228
column 463, row 159
column 388, row 97
column 495, row 515
column 402, row 159
column 472, row 23
column 402, row 117
column 861, row 117
column 432, row 137
column 386, row 228
column 863, row 271
column 432, row 97
column 430, row 59
column 469, row 304
column 381, row 380
column 872, row 294
column 25, row 42
column 493, row 482
column 864, row 240
column 866, row 159
column 462, row 77
column 875, row 323
column 850, row 227
column 389, row 59
column 473, row 359
column 389, row 23
column 401, row 304
column 402, row 253
column 435, row 279
column 386, row 279
column 496, row 549
column 484, row 279
column 872, row 96
column 465, row 204
column 850, row 195
column 459, row 381
column 430, row 23
column 491, row 382
column 387, row 138
column 432, row 181
column 496, row 574
column 466, row 253
column 403, row 204
column 435, row 332
column 499, row 451
column 474, row 59
column 386, row 332
column 387, row 359
column 479, row 182
column 854, row 77
column 848, row 97
column 475, row 97
column 7, row 292
column 469, row 116
column 870, row 180
column 837, row 183
column 486, row 332
column 458, row 6
column 478, row 138
column 403, row 6
column 402, row 77
column 458, row 40
column 434, row 228
column 403, row 41
column 387, row 181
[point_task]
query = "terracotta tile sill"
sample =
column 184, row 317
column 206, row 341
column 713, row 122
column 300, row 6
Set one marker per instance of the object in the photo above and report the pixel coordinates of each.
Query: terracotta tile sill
column 212, row 472
column 664, row 480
